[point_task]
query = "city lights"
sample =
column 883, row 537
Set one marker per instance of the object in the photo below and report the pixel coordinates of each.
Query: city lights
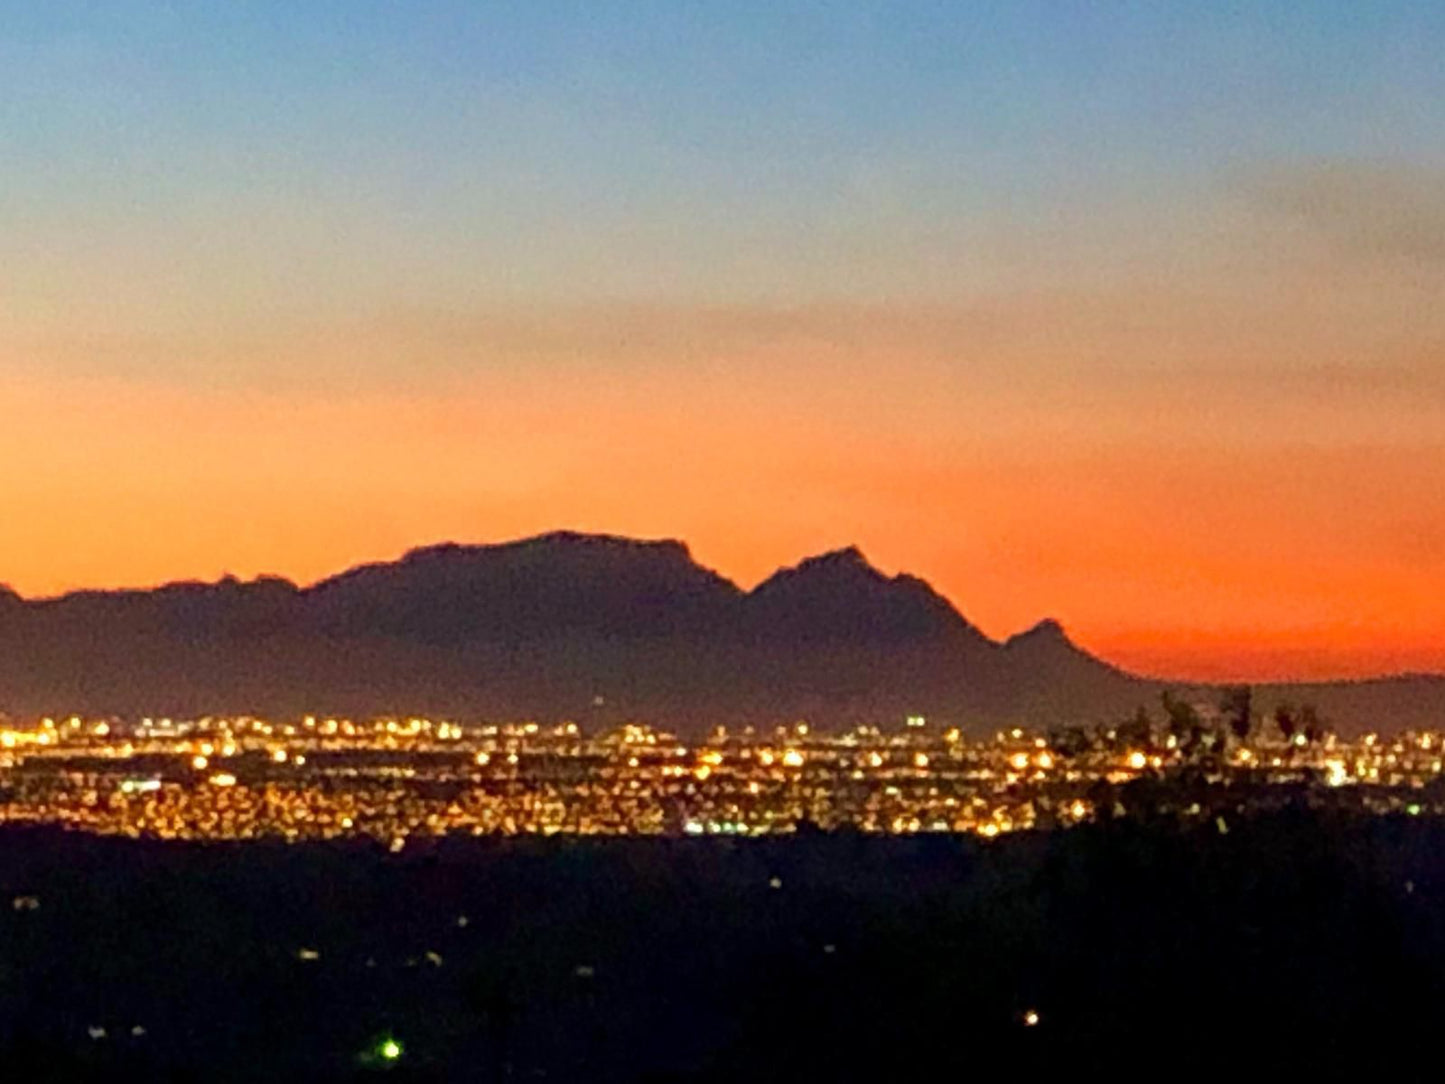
column 395, row 781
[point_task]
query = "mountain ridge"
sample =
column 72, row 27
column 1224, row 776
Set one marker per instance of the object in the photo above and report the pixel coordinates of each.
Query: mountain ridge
column 545, row 626
column 850, row 558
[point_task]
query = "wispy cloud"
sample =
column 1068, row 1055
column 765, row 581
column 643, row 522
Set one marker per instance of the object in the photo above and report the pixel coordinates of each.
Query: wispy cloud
column 1387, row 210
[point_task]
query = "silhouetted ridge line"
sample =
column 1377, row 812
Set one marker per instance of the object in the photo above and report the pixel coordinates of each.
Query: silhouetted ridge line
column 841, row 595
column 562, row 584
column 596, row 628
column 1047, row 631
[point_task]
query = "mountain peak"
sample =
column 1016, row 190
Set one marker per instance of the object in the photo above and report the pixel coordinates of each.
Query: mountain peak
column 849, row 560
column 840, row 595
column 1047, row 631
column 1047, row 645
column 842, row 555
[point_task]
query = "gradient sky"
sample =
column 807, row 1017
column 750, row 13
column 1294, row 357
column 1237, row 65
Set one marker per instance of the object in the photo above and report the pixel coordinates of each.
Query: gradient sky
column 1131, row 314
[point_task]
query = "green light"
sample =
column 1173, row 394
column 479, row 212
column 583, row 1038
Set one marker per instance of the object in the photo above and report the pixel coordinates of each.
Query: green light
column 391, row 1050
column 1413, row 810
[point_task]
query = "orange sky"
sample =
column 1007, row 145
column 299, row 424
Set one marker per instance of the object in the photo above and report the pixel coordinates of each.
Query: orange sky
column 1084, row 457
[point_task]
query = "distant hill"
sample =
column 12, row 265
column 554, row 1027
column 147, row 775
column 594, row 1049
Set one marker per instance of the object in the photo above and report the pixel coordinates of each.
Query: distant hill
column 593, row 628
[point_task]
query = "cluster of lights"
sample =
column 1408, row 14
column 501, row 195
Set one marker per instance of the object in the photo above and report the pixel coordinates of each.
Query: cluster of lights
column 394, row 779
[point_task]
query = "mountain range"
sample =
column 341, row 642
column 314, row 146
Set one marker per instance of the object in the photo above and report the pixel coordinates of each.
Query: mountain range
column 593, row 628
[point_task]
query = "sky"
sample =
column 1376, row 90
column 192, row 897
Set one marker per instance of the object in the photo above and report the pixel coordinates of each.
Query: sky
column 1126, row 314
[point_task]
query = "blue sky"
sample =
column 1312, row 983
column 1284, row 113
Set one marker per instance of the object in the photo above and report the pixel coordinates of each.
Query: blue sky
column 651, row 138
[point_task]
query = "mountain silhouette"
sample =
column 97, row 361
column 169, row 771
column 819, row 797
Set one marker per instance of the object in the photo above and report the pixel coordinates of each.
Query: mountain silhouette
column 557, row 585
column 595, row 628
column 840, row 597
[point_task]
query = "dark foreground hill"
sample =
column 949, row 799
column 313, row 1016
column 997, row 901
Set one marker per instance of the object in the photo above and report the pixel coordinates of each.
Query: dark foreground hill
column 1298, row 945
column 586, row 627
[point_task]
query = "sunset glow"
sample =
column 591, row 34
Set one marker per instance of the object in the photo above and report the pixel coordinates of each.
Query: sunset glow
column 1171, row 370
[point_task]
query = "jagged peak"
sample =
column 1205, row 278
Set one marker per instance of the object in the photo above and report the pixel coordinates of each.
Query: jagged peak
column 1049, row 630
column 840, row 593
column 843, row 555
column 848, row 560
column 848, row 568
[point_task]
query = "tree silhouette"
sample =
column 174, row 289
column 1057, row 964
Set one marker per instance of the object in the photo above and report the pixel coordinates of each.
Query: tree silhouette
column 1138, row 732
column 1185, row 725
column 1286, row 720
column 1237, row 708
column 1069, row 741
